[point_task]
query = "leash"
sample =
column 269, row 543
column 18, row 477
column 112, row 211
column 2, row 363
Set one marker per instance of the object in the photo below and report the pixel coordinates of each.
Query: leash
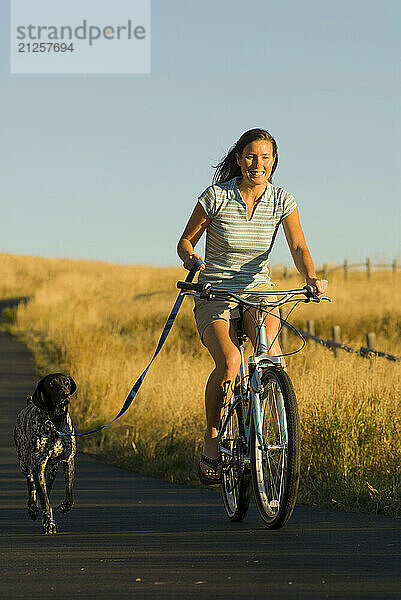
column 163, row 337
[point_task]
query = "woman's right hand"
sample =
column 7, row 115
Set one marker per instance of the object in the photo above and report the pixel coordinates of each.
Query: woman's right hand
column 191, row 260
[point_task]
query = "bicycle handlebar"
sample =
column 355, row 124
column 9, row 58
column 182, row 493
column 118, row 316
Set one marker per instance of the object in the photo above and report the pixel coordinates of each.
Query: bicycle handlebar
column 191, row 287
column 205, row 290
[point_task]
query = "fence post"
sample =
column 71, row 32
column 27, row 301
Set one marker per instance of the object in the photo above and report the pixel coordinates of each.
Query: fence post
column 395, row 266
column 345, row 269
column 336, row 337
column 284, row 330
column 310, row 327
column 285, row 272
column 368, row 268
column 371, row 340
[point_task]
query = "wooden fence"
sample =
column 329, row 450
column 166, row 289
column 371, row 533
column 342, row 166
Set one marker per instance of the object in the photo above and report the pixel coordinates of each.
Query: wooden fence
column 335, row 343
column 346, row 267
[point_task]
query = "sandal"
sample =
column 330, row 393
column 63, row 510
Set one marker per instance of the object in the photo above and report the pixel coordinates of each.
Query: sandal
column 213, row 463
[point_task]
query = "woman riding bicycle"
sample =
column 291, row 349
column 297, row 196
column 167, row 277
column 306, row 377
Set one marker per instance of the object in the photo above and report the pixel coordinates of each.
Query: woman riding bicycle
column 241, row 213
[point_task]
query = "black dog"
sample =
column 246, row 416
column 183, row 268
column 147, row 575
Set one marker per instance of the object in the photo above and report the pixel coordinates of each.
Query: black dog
column 40, row 447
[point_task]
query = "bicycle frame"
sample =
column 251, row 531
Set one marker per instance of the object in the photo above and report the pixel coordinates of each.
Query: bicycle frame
column 250, row 390
column 259, row 431
column 257, row 363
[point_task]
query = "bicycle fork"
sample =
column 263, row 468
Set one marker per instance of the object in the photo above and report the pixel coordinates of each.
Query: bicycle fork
column 280, row 415
column 256, row 386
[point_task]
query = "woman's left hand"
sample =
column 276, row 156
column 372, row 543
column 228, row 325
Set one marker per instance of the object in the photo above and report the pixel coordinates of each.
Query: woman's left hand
column 321, row 284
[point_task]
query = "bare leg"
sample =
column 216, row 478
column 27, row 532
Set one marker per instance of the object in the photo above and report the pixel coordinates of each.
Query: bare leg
column 221, row 341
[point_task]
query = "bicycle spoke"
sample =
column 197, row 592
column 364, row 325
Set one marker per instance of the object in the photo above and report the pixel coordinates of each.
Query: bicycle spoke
column 275, row 463
column 235, row 486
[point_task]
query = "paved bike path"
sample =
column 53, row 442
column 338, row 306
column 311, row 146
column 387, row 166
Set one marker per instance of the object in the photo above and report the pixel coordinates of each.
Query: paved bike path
column 136, row 537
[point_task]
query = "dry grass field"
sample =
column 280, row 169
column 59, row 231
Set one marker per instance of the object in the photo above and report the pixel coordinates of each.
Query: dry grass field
column 100, row 323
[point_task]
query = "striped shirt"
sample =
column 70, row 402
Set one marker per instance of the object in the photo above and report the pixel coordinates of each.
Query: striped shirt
column 237, row 250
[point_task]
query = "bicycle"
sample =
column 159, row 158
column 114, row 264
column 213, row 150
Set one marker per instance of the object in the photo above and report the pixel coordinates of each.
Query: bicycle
column 259, row 432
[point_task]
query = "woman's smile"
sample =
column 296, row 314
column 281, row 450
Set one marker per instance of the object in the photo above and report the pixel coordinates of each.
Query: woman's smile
column 256, row 161
column 257, row 173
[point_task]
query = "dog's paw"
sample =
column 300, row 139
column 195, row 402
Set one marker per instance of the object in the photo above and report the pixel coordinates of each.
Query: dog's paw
column 33, row 510
column 65, row 506
column 48, row 526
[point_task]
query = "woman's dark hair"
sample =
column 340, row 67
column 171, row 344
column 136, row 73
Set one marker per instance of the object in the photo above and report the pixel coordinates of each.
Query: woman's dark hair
column 228, row 167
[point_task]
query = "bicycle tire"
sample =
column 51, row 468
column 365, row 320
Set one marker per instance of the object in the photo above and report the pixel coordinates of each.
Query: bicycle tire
column 236, row 485
column 275, row 472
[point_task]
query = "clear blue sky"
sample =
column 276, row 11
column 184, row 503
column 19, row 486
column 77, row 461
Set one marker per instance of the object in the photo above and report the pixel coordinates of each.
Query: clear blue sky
column 109, row 167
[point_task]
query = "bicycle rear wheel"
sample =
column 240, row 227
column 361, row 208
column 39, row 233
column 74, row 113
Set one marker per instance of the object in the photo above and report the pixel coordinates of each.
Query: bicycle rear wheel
column 275, row 466
column 236, row 487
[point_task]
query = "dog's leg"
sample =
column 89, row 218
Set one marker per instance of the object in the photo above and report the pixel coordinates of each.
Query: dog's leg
column 50, row 474
column 33, row 509
column 32, row 506
column 68, row 502
column 48, row 524
column 24, row 458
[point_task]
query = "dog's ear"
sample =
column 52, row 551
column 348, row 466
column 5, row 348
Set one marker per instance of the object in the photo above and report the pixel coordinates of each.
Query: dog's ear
column 38, row 397
column 73, row 385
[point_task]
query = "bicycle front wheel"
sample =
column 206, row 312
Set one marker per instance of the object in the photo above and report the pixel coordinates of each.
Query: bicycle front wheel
column 236, row 487
column 275, row 464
